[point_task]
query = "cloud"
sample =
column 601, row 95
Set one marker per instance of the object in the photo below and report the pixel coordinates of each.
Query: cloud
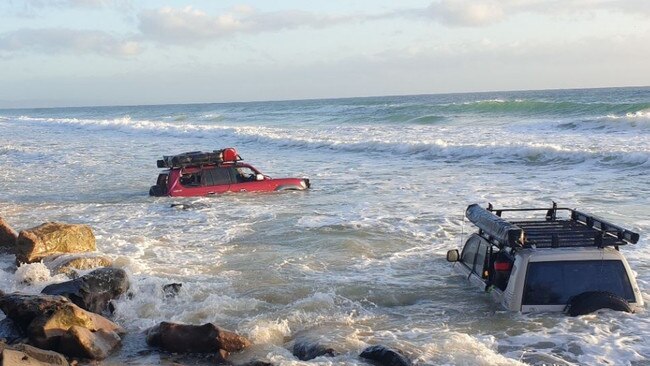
column 467, row 13
column 76, row 3
column 191, row 25
column 61, row 40
column 472, row 13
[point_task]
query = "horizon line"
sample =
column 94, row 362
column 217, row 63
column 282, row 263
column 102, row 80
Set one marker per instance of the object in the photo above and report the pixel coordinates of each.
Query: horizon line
column 324, row 98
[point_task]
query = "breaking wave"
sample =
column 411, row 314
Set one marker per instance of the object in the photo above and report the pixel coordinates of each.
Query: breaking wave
column 522, row 152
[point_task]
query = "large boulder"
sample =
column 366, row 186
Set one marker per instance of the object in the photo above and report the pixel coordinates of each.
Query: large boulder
column 53, row 238
column 47, row 321
column 93, row 291
column 68, row 263
column 8, row 235
column 174, row 337
column 384, row 356
column 26, row 355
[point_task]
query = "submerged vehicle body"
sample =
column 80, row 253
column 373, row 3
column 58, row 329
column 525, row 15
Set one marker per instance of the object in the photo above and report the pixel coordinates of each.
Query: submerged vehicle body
column 570, row 264
column 209, row 173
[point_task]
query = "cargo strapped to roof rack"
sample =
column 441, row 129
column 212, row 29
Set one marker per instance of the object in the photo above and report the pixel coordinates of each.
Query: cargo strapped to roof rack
column 198, row 158
column 577, row 230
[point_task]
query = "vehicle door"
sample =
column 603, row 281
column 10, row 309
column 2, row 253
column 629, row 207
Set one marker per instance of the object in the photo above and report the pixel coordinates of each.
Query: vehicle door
column 474, row 258
column 244, row 179
column 215, row 180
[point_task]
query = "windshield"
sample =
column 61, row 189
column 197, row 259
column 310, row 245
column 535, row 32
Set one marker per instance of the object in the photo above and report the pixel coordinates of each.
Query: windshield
column 554, row 283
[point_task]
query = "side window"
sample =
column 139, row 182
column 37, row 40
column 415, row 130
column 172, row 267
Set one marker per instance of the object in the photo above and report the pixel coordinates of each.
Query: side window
column 479, row 264
column 216, row 176
column 191, row 179
column 244, row 174
column 469, row 251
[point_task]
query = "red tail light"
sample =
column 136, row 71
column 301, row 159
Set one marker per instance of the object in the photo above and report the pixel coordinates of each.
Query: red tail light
column 502, row 266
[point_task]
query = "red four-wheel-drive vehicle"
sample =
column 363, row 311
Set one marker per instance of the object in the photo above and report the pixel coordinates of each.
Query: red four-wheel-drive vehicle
column 207, row 173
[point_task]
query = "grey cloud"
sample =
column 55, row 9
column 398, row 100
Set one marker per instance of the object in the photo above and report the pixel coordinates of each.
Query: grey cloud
column 189, row 25
column 59, row 40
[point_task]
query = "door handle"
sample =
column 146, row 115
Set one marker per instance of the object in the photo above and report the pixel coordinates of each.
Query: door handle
column 242, row 190
column 210, row 193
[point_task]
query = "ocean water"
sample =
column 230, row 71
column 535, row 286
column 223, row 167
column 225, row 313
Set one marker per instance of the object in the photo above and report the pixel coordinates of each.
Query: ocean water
column 360, row 258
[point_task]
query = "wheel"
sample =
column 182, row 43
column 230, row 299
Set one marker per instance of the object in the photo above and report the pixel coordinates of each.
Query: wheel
column 588, row 302
column 156, row 191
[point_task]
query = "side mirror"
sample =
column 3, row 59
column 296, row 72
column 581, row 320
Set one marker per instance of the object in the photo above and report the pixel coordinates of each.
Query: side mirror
column 259, row 177
column 453, row 255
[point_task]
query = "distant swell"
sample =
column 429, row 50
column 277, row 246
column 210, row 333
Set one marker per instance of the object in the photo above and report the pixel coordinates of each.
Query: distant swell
column 523, row 152
column 537, row 107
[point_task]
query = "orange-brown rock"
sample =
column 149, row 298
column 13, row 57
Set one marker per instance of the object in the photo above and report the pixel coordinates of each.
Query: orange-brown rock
column 45, row 331
column 53, row 238
column 81, row 342
column 8, row 235
column 208, row 337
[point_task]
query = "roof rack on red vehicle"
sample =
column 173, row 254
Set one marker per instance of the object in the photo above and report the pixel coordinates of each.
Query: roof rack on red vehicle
column 578, row 229
column 198, row 158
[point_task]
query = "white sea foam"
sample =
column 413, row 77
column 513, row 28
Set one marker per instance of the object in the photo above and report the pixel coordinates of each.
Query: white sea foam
column 32, row 273
column 265, row 331
column 641, row 115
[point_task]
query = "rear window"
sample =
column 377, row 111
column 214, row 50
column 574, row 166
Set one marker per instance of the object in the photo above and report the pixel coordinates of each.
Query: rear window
column 554, row 283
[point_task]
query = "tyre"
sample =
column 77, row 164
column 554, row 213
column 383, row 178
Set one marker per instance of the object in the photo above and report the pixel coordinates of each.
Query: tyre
column 588, row 302
column 156, row 191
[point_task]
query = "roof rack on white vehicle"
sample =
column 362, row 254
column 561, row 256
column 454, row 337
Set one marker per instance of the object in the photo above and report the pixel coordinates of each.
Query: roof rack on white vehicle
column 577, row 229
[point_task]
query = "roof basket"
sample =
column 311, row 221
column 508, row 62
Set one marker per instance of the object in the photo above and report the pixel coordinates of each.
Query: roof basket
column 197, row 158
column 578, row 229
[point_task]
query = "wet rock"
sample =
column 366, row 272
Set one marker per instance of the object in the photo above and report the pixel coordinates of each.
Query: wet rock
column 94, row 291
column 172, row 289
column 305, row 350
column 382, row 355
column 10, row 331
column 24, row 354
column 8, row 236
column 46, row 331
column 81, row 342
column 208, row 337
column 46, row 319
column 23, row 309
column 53, row 238
column 68, row 263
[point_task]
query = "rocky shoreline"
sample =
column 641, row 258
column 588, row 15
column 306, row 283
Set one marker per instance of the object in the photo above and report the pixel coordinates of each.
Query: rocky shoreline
column 69, row 323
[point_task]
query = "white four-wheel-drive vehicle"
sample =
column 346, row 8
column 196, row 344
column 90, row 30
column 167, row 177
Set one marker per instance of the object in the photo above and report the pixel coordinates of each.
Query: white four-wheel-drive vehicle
column 550, row 263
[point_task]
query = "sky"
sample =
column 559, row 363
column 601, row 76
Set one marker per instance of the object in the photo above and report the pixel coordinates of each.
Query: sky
column 133, row 52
